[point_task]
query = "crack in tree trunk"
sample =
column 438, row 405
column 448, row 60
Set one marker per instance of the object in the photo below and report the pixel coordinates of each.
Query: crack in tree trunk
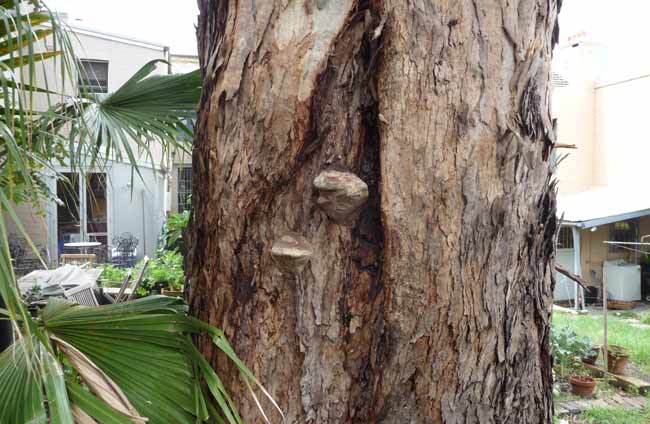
column 433, row 305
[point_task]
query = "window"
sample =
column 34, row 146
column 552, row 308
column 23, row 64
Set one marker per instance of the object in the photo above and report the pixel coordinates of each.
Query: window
column 184, row 188
column 93, row 76
column 623, row 231
column 565, row 238
column 558, row 80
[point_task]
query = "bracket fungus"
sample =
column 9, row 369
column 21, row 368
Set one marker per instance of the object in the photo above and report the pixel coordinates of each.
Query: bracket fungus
column 291, row 253
column 341, row 195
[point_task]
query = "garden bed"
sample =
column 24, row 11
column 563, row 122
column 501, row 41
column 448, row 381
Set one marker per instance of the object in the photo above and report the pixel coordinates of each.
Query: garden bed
column 573, row 336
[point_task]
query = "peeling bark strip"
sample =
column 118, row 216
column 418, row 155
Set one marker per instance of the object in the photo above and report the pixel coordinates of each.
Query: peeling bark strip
column 431, row 306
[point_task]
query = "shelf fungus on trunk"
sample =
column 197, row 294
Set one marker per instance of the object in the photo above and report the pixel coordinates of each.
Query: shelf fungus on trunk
column 341, row 195
column 291, row 253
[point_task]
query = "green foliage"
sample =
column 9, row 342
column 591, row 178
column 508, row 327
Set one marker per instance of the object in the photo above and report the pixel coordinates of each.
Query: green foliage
column 33, row 294
column 616, row 416
column 164, row 272
column 626, row 314
column 567, row 346
column 27, row 145
column 112, row 276
column 621, row 332
column 173, row 230
column 174, row 384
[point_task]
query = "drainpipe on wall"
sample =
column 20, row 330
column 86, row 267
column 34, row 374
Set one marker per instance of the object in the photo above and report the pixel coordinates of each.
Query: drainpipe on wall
column 167, row 56
column 167, row 200
column 144, row 226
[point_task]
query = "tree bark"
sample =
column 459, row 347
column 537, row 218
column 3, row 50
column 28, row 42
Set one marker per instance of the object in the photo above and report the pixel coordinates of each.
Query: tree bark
column 433, row 305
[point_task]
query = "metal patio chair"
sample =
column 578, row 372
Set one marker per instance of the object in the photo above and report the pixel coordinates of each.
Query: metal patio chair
column 123, row 288
column 83, row 294
column 124, row 249
column 138, row 280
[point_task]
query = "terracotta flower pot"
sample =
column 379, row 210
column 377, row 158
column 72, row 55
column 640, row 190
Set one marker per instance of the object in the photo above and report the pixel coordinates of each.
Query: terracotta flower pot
column 591, row 358
column 617, row 358
column 172, row 293
column 582, row 385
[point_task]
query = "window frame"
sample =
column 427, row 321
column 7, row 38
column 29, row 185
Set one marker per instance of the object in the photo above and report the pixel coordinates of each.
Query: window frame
column 563, row 236
column 86, row 85
column 183, row 179
column 622, row 235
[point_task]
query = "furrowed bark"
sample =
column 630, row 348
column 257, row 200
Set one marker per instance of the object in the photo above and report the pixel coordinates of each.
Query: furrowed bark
column 433, row 305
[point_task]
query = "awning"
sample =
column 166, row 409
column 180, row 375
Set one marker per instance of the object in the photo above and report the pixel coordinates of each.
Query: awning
column 603, row 205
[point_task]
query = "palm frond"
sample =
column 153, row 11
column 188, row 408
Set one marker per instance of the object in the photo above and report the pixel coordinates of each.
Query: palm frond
column 168, row 382
column 20, row 397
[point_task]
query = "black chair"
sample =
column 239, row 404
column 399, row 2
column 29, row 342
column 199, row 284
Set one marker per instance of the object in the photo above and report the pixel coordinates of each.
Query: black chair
column 125, row 246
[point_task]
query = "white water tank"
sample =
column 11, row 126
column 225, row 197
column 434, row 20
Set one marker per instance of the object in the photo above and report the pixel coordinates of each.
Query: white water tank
column 623, row 280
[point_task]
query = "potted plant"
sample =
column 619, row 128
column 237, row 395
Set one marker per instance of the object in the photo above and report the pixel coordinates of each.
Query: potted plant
column 165, row 274
column 567, row 348
column 174, row 291
column 617, row 358
column 590, row 356
column 582, row 385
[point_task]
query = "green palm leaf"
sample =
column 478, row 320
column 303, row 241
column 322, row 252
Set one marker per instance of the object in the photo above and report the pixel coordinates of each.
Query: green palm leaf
column 17, row 62
column 20, row 398
column 165, row 385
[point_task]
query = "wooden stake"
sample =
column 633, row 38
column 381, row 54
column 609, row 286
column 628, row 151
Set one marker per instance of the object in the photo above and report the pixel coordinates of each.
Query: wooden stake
column 605, row 346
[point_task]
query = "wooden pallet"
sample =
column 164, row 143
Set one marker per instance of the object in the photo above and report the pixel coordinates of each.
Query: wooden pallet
column 621, row 304
column 622, row 380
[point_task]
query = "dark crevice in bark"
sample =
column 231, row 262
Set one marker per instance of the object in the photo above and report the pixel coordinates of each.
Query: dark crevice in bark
column 368, row 233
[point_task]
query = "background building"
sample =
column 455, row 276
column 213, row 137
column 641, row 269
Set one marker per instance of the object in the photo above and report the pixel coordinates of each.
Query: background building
column 102, row 203
column 602, row 193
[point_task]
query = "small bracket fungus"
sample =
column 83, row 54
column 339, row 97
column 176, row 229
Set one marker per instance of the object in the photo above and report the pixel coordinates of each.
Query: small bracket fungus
column 291, row 253
column 341, row 194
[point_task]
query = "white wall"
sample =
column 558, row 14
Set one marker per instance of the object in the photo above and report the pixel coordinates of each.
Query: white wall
column 574, row 108
column 622, row 144
column 608, row 123
column 139, row 211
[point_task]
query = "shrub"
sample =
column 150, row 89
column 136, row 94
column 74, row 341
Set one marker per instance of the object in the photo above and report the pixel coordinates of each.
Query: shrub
column 164, row 272
column 567, row 345
column 112, row 276
column 172, row 236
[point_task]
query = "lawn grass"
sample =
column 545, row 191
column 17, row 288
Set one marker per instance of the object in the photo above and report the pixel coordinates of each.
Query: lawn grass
column 616, row 416
column 620, row 332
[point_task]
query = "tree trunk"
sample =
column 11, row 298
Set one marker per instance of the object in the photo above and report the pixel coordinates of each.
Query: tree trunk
column 432, row 304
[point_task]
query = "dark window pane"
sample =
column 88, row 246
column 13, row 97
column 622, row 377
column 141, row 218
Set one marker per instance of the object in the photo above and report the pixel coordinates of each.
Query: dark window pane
column 565, row 238
column 184, row 188
column 623, row 231
column 93, row 76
